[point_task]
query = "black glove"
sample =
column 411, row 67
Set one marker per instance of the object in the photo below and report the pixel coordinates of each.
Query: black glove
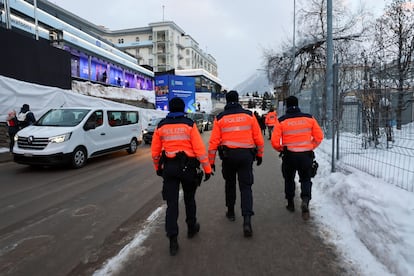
column 259, row 160
column 314, row 169
column 159, row 172
column 213, row 167
column 207, row 176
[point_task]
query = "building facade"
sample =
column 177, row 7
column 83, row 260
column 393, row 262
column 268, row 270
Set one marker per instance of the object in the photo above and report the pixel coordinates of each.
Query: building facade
column 163, row 46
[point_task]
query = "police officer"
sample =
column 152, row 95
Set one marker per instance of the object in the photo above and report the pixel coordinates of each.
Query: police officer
column 271, row 120
column 237, row 136
column 296, row 136
column 177, row 152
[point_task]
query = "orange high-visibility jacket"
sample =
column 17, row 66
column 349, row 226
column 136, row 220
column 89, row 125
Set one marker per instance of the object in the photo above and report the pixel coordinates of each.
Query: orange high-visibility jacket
column 235, row 127
column 271, row 118
column 297, row 131
column 178, row 134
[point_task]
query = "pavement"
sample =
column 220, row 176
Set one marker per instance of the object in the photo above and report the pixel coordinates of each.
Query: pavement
column 5, row 156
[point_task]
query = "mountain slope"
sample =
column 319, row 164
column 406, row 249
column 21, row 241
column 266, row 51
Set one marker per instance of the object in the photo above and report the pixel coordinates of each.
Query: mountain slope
column 256, row 82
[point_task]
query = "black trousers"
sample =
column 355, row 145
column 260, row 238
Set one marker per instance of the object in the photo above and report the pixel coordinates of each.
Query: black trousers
column 300, row 162
column 12, row 133
column 173, row 175
column 270, row 129
column 238, row 166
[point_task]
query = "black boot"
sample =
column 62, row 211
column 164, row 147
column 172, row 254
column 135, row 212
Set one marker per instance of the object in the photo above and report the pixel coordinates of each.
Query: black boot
column 305, row 209
column 247, row 227
column 230, row 213
column 193, row 230
column 291, row 205
column 173, row 246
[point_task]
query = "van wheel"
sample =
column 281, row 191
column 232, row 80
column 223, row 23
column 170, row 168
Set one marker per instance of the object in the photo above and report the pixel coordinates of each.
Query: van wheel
column 132, row 146
column 79, row 158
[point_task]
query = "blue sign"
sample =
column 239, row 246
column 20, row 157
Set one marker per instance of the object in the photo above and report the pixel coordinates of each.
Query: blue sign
column 161, row 92
column 184, row 88
column 171, row 86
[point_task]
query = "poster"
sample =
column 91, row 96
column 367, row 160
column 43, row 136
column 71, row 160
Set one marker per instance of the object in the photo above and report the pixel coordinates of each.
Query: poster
column 161, row 92
column 171, row 86
column 184, row 88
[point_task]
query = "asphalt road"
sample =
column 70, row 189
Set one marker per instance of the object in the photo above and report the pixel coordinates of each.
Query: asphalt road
column 71, row 222
column 53, row 219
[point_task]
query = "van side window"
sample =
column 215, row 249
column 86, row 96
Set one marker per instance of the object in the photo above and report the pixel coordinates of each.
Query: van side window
column 99, row 118
column 131, row 117
column 121, row 118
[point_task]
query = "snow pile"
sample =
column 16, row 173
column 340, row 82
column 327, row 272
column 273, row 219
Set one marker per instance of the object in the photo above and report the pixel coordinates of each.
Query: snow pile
column 369, row 219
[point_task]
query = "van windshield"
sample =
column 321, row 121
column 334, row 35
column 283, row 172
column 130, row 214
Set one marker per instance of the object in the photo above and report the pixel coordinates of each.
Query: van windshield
column 62, row 117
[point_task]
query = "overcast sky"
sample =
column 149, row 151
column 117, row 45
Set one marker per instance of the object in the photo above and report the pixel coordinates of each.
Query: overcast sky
column 234, row 32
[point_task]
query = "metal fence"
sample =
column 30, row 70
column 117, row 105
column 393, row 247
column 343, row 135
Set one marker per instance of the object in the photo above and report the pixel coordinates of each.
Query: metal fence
column 368, row 138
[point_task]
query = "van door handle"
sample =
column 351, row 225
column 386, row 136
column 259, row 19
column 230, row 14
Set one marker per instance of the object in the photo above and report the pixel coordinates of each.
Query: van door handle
column 103, row 133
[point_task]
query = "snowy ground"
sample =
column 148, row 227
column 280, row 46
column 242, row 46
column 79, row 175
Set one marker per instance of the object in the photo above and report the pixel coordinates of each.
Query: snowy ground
column 369, row 220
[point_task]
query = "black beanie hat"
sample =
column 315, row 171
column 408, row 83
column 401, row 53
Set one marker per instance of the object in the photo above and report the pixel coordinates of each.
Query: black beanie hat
column 291, row 101
column 232, row 97
column 176, row 105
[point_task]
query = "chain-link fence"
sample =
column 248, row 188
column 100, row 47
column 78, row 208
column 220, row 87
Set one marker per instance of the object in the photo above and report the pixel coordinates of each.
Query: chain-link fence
column 368, row 138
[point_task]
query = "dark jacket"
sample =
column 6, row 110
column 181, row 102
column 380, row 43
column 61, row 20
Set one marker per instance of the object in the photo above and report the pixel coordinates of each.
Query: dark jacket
column 25, row 117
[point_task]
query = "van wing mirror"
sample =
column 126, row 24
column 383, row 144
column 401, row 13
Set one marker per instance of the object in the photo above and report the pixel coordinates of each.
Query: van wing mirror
column 89, row 125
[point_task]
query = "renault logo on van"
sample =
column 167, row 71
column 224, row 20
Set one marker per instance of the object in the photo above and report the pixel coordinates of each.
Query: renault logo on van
column 30, row 139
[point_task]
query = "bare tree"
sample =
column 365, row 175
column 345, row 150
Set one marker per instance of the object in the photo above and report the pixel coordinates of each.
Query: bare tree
column 394, row 40
column 310, row 54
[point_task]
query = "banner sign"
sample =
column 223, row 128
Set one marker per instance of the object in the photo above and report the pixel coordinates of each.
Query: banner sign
column 161, row 92
column 171, row 86
column 184, row 88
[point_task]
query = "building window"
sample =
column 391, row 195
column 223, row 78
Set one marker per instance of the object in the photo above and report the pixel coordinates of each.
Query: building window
column 150, row 37
column 137, row 39
column 150, row 62
column 187, row 52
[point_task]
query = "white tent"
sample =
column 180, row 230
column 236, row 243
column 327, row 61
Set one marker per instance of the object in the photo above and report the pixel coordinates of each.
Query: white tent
column 14, row 93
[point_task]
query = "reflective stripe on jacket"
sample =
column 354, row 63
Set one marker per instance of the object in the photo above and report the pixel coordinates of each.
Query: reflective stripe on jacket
column 178, row 134
column 235, row 127
column 297, row 131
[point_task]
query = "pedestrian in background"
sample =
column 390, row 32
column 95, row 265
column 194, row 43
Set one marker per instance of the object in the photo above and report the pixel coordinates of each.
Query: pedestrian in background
column 12, row 127
column 177, row 151
column 296, row 136
column 263, row 124
column 270, row 121
column 237, row 137
column 25, row 117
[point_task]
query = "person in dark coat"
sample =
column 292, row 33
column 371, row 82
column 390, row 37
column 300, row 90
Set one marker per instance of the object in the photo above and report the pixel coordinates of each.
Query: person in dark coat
column 263, row 124
column 12, row 127
column 25, row 117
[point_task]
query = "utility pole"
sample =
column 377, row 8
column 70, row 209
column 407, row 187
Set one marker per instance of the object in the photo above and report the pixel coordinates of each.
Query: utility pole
column 329, row 79
column 292, row 72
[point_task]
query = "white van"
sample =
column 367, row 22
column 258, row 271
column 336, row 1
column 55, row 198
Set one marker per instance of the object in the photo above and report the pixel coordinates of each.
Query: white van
column 71, row 135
